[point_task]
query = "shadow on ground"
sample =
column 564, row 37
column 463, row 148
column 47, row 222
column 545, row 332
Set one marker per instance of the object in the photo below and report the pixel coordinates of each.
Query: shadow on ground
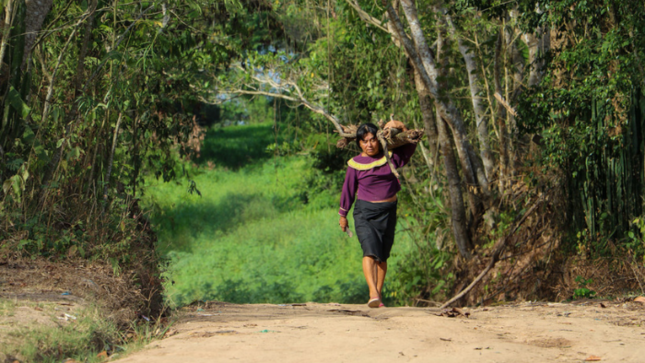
column 237, row 147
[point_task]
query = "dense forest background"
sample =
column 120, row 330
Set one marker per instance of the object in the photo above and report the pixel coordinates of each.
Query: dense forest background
column 528, row 184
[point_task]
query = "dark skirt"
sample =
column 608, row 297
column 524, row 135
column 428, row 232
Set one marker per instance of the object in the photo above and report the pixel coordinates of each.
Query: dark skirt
column 375, row 224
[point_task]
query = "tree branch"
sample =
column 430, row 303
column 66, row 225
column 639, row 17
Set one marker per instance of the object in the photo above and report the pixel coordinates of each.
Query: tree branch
column 366, row 17
column 50, row 90
column 503, row 102
column 290, row 86
column 497, row 250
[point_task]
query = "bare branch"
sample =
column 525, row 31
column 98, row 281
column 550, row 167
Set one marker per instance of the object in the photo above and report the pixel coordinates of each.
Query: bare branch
column 288, row 87
column 262, row 93
column 497, row 250
column 366, row 17
column 503, row 102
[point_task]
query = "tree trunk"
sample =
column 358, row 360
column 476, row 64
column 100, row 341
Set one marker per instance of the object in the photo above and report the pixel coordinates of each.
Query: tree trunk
column 430, row 88
column 458, row 213
column 427, row 113
column 475, row 91
column 110, row 163
column 37, row 11
column 501, row 117
column 518, row 62
column 537, row 46
column 471, row 182
column 80, row 66
column 8, row 12
column 424, row 62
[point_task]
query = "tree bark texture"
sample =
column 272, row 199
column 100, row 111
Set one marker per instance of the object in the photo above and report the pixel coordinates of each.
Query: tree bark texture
column 501, row 116
column 537, row 46
column 80, row 66
column 427, row 114
column 518, row 64
column 478, row 109
column 423, row 60
column 473, row 200
column 458, row 213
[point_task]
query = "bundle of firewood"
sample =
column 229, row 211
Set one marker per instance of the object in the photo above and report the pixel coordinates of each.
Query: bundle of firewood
column 392, row 137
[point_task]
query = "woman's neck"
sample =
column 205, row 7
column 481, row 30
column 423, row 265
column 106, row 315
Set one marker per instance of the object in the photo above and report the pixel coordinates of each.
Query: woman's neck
column 364, row 154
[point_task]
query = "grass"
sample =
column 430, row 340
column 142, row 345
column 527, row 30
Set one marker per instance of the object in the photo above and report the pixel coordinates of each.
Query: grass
column 40, row 334
column 235, row 147
column 261, row 233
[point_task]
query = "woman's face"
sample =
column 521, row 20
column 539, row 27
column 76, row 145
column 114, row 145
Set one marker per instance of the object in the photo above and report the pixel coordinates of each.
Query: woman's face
column 370, row 145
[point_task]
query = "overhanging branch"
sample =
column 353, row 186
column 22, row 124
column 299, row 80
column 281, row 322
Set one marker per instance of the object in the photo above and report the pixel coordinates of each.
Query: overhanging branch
column 288, row 87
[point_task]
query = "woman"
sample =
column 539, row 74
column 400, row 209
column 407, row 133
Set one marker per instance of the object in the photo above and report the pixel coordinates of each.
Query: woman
column 370, row 181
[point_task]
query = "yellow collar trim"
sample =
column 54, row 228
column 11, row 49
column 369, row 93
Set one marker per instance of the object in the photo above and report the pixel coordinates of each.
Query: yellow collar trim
column 380, row 162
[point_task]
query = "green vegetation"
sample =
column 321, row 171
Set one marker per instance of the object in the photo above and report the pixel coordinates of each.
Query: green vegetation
column 541, row 105
column 583, row 292
column 85, row 334
column 94, row 96
column 79, row 334
column 235, row 147
column 262, row 233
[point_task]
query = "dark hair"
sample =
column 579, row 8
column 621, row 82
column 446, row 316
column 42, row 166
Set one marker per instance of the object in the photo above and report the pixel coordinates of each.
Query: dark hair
column 364, row 129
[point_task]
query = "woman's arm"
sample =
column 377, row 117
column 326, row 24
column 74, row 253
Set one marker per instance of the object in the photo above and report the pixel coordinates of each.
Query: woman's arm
column 347, row 196
column 402, row 154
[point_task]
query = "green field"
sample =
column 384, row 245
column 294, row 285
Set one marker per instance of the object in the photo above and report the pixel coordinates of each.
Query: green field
column 258, row 233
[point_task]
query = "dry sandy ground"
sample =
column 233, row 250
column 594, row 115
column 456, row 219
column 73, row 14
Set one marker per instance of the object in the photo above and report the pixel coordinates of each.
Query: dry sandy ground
column 330, row 333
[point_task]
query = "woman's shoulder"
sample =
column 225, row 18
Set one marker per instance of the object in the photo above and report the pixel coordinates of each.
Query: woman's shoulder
column 359, row 162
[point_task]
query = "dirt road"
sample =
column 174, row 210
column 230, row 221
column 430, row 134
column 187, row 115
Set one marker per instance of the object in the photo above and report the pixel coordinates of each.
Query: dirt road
column 331, row 333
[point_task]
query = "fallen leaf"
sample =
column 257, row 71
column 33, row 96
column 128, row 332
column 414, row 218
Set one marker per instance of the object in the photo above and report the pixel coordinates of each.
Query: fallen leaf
column 640, row 299
column 593, row 358
column 103, row 354
column 446, row 339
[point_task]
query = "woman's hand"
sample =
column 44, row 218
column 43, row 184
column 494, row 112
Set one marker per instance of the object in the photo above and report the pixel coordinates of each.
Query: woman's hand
column 395, row 125
column 343, row 223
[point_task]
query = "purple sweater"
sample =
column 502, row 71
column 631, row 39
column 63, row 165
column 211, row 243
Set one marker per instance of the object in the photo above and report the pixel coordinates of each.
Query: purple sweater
column 370, row 178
